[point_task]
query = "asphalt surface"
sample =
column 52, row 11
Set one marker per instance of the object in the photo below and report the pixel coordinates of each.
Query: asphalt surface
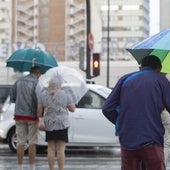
column 76, row 159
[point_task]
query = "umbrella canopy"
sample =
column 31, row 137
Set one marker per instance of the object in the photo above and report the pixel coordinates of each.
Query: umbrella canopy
column 23, row 59
column 158, row 44
column 72, row 81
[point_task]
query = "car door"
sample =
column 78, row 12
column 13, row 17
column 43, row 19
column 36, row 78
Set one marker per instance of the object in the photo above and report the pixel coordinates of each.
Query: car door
column 88, row 124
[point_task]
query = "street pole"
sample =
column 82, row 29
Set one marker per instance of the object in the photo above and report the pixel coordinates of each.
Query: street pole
column 108, row 42
column 88, row 70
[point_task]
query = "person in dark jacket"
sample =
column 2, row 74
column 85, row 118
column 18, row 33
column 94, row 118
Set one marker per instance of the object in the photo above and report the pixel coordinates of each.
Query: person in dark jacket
column 141, row 97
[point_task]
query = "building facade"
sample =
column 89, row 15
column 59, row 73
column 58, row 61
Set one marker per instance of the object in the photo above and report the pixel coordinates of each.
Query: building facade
column 75, row 27
column 59, row 26
column 25, row 22
column 5, row 27
column 128, row 23
column 164, row 14
column 51, row 30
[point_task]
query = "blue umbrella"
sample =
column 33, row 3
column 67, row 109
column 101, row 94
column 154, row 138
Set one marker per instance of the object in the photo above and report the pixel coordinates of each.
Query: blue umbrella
column 23, row 59
column 158, row 44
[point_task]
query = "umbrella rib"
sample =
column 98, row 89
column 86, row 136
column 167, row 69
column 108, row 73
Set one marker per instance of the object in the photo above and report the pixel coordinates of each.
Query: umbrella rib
column 21, row 61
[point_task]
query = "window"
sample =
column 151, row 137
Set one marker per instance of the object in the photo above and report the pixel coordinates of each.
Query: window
column 130, row 7
column 44, row 1
column 4, row 93
column 91, row 100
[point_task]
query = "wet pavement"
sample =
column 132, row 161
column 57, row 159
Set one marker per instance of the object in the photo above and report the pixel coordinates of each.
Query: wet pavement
column 71, row 164
column 76, row 159
column 81, row 159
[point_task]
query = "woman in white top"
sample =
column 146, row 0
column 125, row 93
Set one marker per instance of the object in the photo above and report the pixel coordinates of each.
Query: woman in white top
column 56, row 103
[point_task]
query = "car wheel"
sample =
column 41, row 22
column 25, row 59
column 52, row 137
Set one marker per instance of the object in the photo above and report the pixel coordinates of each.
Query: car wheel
column 12, row 141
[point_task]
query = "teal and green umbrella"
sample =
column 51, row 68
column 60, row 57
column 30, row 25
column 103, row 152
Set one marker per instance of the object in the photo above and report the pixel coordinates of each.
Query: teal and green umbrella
column 23, row 59
column 158, row 45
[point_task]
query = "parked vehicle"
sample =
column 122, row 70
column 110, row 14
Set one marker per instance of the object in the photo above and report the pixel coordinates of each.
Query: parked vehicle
column 88, row 126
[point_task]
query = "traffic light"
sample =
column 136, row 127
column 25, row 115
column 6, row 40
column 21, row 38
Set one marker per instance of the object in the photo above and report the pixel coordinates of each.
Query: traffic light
column 96, row 64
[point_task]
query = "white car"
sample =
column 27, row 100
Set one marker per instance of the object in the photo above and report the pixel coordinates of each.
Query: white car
column 88, row 126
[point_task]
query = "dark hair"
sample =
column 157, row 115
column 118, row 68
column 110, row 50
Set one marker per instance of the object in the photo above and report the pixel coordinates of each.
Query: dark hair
column 35, row 69
column 152, row 61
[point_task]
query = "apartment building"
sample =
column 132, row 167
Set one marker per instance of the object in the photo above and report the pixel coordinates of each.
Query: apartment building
column 75, row 27
column 51, row 30
column 128, row 23
column 164, row 14
column 59, row 26
column 5, row 27
column 24, row 22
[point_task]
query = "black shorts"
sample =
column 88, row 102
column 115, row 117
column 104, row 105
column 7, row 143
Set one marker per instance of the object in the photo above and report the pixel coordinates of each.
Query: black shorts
column 57, row 135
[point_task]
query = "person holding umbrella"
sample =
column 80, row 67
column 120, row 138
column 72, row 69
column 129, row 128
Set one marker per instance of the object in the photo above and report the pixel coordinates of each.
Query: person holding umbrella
column 23, row 94
column 141, row 97
column 56, row 103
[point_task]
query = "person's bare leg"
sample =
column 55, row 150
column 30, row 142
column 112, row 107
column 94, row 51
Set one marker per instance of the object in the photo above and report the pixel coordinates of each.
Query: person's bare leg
column 20, row 154
column 51, row 154
column 32, row 155
column 60, row 146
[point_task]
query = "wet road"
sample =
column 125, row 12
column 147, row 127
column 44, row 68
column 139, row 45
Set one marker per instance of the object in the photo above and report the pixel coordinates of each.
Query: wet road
column 76, row 159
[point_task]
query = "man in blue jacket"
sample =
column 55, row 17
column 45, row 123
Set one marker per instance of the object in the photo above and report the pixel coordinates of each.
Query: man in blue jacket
column 141, row 97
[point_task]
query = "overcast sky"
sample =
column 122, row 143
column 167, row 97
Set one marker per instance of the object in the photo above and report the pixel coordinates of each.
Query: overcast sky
column 154, row 16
